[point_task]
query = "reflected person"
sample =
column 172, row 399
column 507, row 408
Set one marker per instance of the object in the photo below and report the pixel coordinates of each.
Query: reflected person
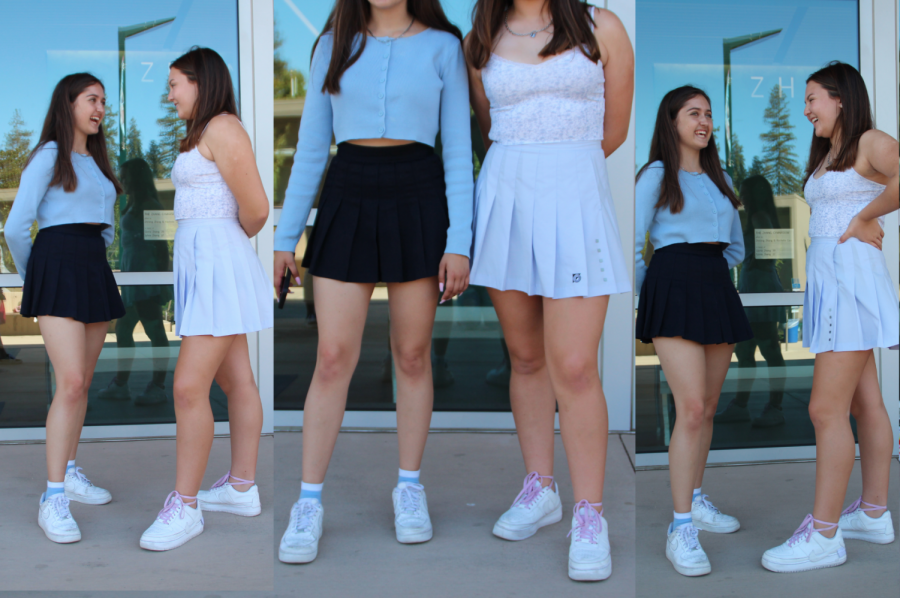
column 143, row 302
column 758, row 276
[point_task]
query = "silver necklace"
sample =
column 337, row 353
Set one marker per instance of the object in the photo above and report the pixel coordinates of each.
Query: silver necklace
column 405, row 31
column 532, row 34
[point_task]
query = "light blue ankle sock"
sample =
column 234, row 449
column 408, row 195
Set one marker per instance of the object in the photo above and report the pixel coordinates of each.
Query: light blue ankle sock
column 697, row 494
column 70, row 467
column 410, row 477
column 54, row 488
column 680, row 519
column 311, row 491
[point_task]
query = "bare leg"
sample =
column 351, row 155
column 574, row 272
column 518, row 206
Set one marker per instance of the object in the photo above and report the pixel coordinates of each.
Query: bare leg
column 198, row 361
column 341, row 309
column 684, row 364
column 835, row 378
column 876, row 437
column 412, row 306
column 73, row 348
column 245, row 415
column 572, row 330
column 718, row 357
column 530, row 392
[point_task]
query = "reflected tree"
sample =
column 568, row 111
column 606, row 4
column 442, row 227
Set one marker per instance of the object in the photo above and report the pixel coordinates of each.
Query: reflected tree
column 16, row 147
column 172, row 129
column 779, row 162
column 133, row 148
column 154, row 159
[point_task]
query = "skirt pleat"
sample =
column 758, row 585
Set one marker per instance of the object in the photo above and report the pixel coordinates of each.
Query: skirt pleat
column 221, row 288
column 67, row 276
column 545, row 224
column 850, row 303
column 382, row 216
column 688, row 293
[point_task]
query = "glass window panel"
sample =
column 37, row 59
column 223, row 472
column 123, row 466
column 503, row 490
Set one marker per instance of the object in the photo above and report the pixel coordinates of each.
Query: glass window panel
column 132, row 382
column 765, row 397
column 142, row 130
column 752, row 59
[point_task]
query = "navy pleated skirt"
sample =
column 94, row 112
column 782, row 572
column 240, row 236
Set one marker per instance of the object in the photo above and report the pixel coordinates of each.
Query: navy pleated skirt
column 68, row 276
column 688, row 293
column 382, row 215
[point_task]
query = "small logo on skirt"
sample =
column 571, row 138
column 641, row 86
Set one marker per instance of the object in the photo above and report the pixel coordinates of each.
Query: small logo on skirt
column 576, row 278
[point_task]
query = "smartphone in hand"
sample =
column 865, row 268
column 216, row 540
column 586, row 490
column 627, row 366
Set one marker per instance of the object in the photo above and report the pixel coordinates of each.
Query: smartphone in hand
column 285, row 285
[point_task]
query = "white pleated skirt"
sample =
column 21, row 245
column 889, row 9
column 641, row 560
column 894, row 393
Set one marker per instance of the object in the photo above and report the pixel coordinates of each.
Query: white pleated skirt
column 545, row 223
column 221, row 288
column 850, row 303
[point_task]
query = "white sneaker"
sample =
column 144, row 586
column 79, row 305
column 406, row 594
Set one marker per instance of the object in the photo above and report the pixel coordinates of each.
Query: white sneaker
column 855, row 524
column 533, row 508
column 411, row 520
column 175, row 524
column 300, row 542
column 589, row 558
column 56, row 520
column 224, row 498
column 685, row 553
column 80, row 489
column 705, row 516
column 807, row 549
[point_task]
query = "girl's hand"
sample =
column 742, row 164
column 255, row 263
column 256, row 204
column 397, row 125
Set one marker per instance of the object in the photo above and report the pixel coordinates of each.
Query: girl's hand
column 867, row 231
column 284, row 259
column 453, row 275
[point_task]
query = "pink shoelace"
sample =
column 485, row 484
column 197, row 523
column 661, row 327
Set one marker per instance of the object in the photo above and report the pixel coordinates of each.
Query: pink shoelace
column 223, row 481
column 175, row 503
column 807, row 528
column 531, row 489
column 853, row 507
column 588, row 524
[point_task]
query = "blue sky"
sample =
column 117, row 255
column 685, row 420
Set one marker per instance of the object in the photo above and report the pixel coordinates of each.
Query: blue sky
column 680, row 43
column 53, row 39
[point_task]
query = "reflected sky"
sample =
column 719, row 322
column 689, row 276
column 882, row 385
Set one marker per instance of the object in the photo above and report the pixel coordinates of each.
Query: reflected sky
column 44, row 41
column 680, row 43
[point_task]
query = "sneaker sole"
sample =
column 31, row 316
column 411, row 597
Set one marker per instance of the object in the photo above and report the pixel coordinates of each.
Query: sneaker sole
column 59, row 538
column 87, row 500
column 233, row 509
column 293, row 558
column 163, row 546
column 514, row 535
column 798, row 567
column 581, row 573
column 690, row 571
column 416, row 537
column 714, row 529
column 867, row 537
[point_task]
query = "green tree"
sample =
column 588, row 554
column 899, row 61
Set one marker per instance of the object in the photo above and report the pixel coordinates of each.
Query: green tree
column 16, row 147
column 172, row 130
column 756, row 167
column 111, row 133
column 133, row 147
column 779, row 160
column 154, row 160
column 289, row 83
column 738, row 165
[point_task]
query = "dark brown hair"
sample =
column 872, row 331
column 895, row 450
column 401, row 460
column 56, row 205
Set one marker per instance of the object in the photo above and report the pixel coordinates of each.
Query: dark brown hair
column 665, row 147
column 350, row 18
column 59, row 126
column 842, row 81
column 571, row 28
column 215, row 93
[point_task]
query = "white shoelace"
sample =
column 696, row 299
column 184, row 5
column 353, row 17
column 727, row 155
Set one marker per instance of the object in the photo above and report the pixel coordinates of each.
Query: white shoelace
column 60, row 505
column 301, row 514
column 707, row 505
column 81, row 477
column 410, row 498
column 689, row 536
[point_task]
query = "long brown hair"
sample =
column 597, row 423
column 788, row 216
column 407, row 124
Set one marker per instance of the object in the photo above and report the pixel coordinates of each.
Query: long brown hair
column 842, row 81
column 571, row 29
column 215, row 92
column 664, row 148
column 350, row 18
column 59, row 126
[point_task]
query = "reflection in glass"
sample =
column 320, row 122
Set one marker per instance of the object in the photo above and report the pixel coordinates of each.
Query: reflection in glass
column 771, row 374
